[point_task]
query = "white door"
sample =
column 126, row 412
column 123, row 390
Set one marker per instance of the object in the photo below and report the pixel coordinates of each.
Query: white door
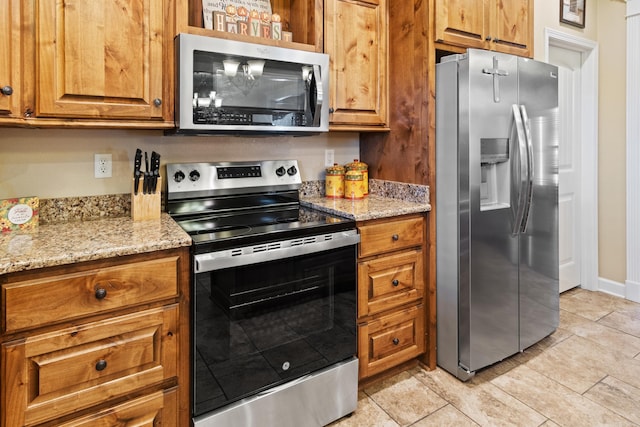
column 569, row 64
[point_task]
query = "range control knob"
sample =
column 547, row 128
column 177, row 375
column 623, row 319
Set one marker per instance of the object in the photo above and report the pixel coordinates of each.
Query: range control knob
column 178, row 176
column 292, row 171
column 281, row 171
column 194, row 175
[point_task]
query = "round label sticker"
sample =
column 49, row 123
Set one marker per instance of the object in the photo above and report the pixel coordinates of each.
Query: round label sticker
column 19, row 214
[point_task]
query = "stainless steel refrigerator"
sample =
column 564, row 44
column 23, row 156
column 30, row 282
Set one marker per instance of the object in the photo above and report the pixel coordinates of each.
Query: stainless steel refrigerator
column 497, row 207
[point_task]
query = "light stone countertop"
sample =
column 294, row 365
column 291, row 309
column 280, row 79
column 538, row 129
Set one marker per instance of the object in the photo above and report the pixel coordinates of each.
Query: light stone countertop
column 386, row 199
column 371, row 207
column 70, row 242
column 81, row 229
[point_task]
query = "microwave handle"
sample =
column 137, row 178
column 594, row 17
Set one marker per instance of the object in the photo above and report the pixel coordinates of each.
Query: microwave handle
column 316, row 96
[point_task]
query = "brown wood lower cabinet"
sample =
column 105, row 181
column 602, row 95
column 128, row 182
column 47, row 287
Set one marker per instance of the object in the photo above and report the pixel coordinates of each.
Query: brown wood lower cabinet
column 113, row 352
column 391, row 292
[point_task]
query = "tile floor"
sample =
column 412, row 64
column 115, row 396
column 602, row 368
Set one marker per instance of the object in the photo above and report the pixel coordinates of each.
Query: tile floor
column 585, row 374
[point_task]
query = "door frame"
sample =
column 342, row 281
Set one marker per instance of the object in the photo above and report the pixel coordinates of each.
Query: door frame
column 588, row 208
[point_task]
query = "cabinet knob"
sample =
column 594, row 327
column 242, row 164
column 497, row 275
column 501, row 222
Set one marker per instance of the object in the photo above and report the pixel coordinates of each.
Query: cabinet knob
column 6, row 90
column 395, row 282
column 331, row 110
column 395, row 237
column 101, row 365
column 101, row 293
column 396, row 341
column 157, row 102
column 488, row 38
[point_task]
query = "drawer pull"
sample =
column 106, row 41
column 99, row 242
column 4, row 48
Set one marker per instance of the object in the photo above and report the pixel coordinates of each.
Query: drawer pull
column 395, row 282
column 101, row 365
column 396, row 341
column 395, row 237
column 101, row 293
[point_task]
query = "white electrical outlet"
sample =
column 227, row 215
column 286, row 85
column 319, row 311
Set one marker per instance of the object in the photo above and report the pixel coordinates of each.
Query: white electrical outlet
column 102, row 165
column 329, row 159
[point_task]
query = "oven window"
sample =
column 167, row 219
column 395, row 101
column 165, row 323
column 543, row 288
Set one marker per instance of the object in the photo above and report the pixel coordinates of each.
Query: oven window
column 260, row 325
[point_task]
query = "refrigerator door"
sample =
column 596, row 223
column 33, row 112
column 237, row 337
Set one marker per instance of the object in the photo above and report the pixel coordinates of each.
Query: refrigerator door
column 488, row 291
column 539, row 295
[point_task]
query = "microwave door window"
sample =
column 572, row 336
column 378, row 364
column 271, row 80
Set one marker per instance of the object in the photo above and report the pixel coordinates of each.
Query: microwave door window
column 237, row 90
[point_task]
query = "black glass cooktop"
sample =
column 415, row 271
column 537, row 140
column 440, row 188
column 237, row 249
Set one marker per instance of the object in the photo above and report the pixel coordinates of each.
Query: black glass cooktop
column 224, row 230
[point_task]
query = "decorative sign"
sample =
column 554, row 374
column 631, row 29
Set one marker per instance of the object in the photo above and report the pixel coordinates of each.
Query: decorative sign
column 19, row 214
column 246, row 17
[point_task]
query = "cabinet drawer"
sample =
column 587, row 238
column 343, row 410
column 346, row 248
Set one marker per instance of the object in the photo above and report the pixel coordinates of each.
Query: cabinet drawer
column 52, row 299
column 390, row 281
column 156, row 409
column 391, row 340
column 54, row 374
column 390, row 236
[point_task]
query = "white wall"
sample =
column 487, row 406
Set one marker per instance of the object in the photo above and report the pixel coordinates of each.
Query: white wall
column 58, row 162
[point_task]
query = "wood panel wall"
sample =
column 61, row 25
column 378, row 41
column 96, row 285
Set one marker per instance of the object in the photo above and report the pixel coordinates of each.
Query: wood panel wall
column 407, row 152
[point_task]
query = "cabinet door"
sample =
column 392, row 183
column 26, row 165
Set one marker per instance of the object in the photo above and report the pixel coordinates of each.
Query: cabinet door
column 53, row 374
column 462, row 22
column 356, row 41
column 512, row 23
column 100, row 59
column 10, row 14
column 156, row 409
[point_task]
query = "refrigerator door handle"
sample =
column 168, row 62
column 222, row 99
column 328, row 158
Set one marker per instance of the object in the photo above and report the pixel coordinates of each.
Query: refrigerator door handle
column 528, row 195
column 519, row 170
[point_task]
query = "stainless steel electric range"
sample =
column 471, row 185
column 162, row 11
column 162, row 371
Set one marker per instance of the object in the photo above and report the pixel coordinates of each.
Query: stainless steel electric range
column 273, row 297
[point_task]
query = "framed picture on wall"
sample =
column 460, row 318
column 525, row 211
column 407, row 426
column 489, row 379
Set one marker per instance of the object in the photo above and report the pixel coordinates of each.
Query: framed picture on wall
column 572, row 12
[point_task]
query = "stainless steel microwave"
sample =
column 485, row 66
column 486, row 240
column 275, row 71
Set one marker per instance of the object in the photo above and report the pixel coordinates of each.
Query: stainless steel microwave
column 225, row 86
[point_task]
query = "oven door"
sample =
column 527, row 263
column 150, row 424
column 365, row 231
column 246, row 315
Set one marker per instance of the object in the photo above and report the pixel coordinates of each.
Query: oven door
column 261, row 324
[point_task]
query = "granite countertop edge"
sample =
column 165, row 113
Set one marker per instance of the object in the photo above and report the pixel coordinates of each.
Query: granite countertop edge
column 386, row 199
column 371, row 207
column 71, row 242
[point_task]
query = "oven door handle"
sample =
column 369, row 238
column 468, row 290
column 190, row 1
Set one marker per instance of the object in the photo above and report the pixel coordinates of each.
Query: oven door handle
column 274, row 250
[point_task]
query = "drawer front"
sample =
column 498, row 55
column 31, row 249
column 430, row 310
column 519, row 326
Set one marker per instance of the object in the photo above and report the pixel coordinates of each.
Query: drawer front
column 391, row 281
column 48, row 300
column 391, row 340
column 156, row 409
column 54, row 374
column 390, row 236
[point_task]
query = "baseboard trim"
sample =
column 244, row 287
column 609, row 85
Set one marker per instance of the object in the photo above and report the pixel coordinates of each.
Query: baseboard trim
column 632, row 290
column 611, row 287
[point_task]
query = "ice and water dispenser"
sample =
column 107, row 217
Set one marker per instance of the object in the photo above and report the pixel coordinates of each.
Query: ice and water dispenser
column 495, row 173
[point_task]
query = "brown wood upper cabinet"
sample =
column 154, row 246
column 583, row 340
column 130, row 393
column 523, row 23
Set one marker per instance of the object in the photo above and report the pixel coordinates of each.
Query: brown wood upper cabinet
column 10, row 58
column 356, row 39
column 101, row 60
column 503, row 26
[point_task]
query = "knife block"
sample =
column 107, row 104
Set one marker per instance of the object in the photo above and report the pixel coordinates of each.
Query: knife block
column 145, row 206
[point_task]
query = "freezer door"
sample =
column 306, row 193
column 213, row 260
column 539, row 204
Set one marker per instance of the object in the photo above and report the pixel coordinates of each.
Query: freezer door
column 489, row 251
column 539, row 271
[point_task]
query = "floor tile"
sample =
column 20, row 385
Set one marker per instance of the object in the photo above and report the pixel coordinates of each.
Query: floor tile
column 604, row 335
column 484, row 403
column 627, row 321
column 562, row 405
column 568, row 364
column 368, row 414
column 447, row 416
column 405, row 398
column 592, row 305
column 619, row 396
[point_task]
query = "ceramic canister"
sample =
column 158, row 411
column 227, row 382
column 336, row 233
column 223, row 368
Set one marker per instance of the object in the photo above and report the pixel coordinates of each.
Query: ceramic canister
column 364, row 169
column 334, row 181
column 353, row 185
